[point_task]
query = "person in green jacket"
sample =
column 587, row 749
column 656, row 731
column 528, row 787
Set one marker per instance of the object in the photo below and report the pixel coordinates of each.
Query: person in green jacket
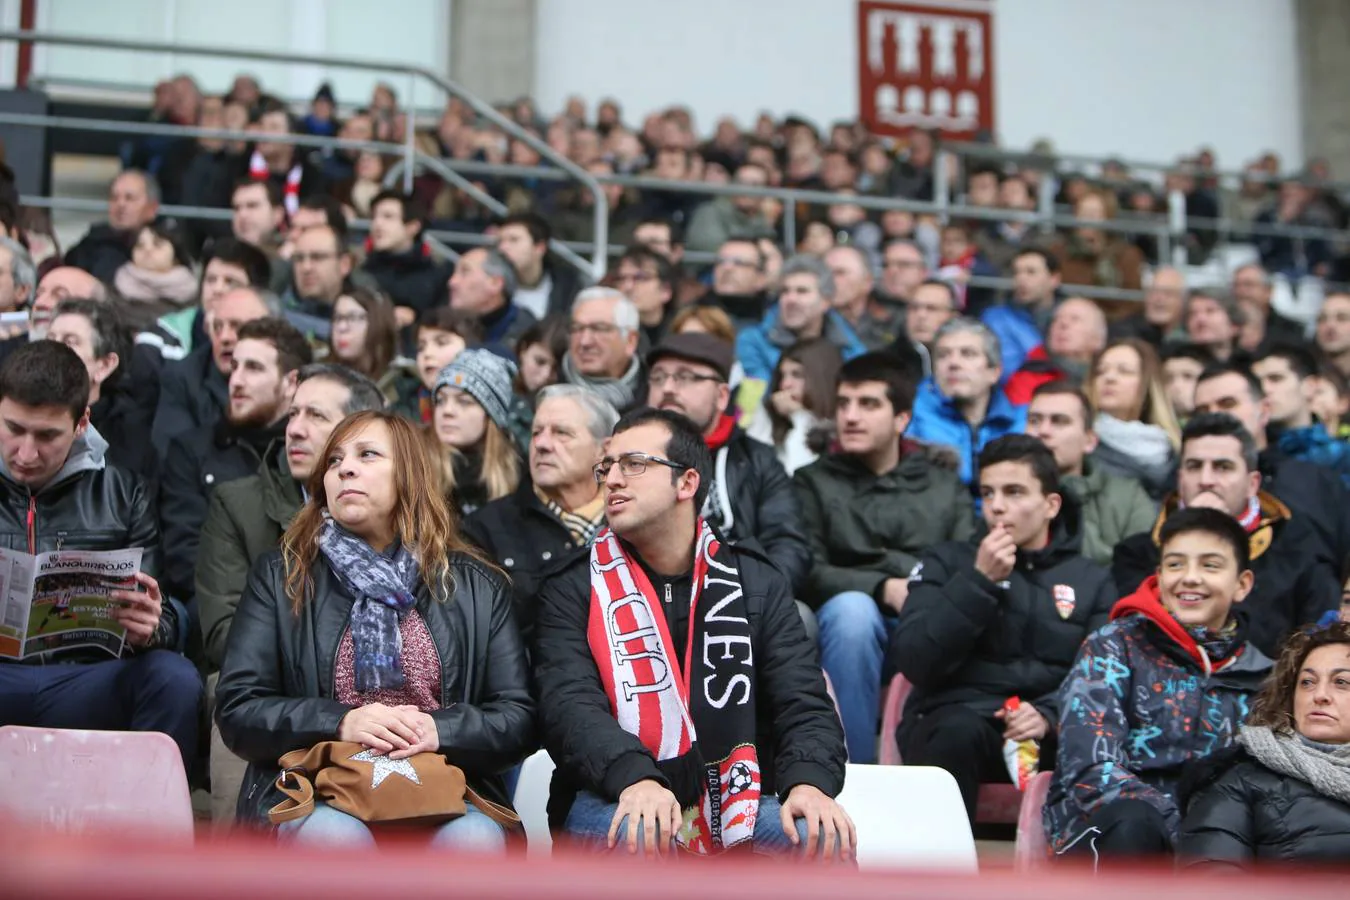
column 1113, row 507
column 247, row 518
column 869, row 512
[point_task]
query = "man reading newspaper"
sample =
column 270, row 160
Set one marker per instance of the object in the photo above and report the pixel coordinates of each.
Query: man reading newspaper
column 91, row 642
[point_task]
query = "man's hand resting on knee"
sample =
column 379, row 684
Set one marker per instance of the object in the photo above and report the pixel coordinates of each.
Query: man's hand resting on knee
column 648, row 804
column 825, row 819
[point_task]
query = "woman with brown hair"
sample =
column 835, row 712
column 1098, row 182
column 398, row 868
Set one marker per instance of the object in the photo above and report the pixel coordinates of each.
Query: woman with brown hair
column 364, row 334
column 799, row 402
column 374, row 624
column 1136, row 428
column 1285, row 796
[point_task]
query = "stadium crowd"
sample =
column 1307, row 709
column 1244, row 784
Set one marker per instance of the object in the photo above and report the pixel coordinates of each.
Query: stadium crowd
column 479, row 506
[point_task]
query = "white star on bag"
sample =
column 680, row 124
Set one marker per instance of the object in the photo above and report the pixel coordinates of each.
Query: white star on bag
column 384, row 767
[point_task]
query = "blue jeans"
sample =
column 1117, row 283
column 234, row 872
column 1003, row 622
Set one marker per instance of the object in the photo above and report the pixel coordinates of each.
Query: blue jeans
column 155, row 690
column 590, row 817
column 472, row 832
column 853, row 638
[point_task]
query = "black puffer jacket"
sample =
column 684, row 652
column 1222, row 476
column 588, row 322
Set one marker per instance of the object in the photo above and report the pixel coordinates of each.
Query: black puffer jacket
column 1250, row 814
column 193, row 393
column 414, row 279
column 962, row 639
column 102, row 251
column 275, row 692
column 797, row 733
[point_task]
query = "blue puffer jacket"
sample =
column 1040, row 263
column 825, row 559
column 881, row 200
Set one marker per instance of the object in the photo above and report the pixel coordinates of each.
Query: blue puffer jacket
column 938, row 421
column 1018, row 333
column 1314, row 445
column 1141, row 701
column 758, row 348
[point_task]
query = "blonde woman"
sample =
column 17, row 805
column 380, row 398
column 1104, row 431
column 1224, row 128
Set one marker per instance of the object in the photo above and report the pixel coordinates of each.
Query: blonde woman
column 1138, row 433
column 472, row 420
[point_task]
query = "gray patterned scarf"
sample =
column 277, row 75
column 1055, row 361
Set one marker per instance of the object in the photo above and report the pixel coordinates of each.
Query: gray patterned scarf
column 385, row 589
column 1324, row 766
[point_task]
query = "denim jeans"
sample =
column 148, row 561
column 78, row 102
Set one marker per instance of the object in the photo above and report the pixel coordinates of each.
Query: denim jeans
column 472, row 832
column 853, row 638
column 590, row 817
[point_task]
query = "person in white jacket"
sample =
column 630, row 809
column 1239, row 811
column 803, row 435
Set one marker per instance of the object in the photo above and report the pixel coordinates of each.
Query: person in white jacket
column 799, row 402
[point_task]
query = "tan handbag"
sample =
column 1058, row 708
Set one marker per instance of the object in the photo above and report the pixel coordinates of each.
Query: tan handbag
column 423, row 789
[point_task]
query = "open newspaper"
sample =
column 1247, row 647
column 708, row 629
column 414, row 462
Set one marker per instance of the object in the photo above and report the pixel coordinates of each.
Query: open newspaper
column 59, row 600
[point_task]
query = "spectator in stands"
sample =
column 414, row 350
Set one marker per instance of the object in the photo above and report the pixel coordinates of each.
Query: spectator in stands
column 875, row 324
column 472, row 420
column 560, row 507
column 902, row 271
column 195, row 391
column 1252, row 290
column 648, row 279
column 718, row 220
column 1312, row 492
column 796, row 417
column 1333, row 330
column 1162, row 318
column 247, row 518
column 1077, row 334
column 133, row 202
column 1286, row 373
column 400, row 260
column 18, row 277
column 209, row 175
column 60, row 493
column 803, row 311
column 959, row 261
column 99, row 334
column 1095, row 257
column 442, row 334
column 540, row 351
column 963, row 405
column 665, row 238
column 1137, row 432
column 1123, row 742
column 544, row 286
column 1113, row 508
column 1181, row 368
column 1330, row 401
column 912, row 177
column 753, row 499
column 1294, row 257
column 371, row 531
column 1000, row 242
column 1020, row 322
column 159, row 278
column 285, row 165
column 228, row 264
column 483, row 284
column 259, row 217
column 320, row 268
column 763, row 714
column 364, row 335
column 1296, row 580
column 1213, row 321
column 932, row 304
column 60, row 283
column 262, row 384
column 321, row 119
column 602, row 355
column 739, row 281
column 997, row 618
column 860, row 509
column 1282, row 796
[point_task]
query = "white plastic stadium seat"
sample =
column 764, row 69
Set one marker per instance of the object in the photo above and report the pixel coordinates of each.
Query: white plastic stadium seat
column 531, row 802
column 908, row 817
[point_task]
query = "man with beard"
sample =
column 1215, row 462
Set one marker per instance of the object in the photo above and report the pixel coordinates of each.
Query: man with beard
column 751, row 498
column 262, row 382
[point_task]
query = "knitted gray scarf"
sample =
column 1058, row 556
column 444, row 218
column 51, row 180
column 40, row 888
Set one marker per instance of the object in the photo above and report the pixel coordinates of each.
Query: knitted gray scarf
column 620, row 392
column 1328, row 769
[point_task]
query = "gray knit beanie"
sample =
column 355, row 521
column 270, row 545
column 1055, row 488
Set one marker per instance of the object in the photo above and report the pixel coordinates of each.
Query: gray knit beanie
column 484, row 376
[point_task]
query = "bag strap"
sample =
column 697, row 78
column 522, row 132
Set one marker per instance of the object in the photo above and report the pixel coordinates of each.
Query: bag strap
column 502, row 815
column 299, row 800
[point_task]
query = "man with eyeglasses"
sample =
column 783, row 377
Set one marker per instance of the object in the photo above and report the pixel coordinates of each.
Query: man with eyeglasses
column 751, row 498
column 320, row 267
column 738, row 286
column 902, row 271
column 602, row 350
column 680, row 696
column 648, row 279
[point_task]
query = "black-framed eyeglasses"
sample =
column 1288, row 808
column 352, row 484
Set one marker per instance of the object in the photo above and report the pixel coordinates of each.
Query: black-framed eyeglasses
column 682, row 378
column 632, row 465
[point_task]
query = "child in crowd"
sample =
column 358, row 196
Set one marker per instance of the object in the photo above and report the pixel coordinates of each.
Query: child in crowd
column 159, row 278
column 442, row 334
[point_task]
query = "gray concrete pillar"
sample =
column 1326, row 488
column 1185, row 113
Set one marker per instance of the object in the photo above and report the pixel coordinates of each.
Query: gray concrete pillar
column 492, row 47
column 1324, row 71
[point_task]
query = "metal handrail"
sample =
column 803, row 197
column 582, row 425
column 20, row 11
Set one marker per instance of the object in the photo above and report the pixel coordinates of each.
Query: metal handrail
column 454, row 89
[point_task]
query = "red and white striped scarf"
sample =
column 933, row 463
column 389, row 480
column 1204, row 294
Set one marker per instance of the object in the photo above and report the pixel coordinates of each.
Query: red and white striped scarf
column 290, row 197
column 650, row 695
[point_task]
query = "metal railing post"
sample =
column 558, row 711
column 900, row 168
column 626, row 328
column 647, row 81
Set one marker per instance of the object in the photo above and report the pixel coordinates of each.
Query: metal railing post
column 409, row 138
column 1045, row 203
column 941, row 185
column 1176, row 228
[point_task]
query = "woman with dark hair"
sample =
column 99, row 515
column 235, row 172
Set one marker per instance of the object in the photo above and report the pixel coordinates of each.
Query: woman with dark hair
column 159, row 276
column 1135, row 425
column 375, row 624
column 799, row 403
column 540, row 351
column 442, row 334
column 1284, row 794
column 364, row 334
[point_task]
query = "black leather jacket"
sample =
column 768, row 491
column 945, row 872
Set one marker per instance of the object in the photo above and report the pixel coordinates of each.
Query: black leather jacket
column 275, row 692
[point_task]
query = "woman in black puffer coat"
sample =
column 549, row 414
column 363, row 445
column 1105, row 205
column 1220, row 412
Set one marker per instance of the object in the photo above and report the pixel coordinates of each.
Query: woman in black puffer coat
column 1285, row 794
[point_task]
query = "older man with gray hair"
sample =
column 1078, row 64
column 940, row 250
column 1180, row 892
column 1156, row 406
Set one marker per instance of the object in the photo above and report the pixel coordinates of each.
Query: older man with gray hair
column 133, row 202
column 963, row 406
column 18, row 276
column 602, row 352
column 561, row 506
column 484, row 283
column 803, row 311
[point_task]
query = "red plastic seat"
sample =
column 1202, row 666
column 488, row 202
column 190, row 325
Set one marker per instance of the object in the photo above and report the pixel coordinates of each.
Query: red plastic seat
column 997, row 804
column 74, row 781
column 1032, row 849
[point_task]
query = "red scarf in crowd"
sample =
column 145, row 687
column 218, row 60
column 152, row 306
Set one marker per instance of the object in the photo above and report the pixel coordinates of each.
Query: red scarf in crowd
column 290, row 199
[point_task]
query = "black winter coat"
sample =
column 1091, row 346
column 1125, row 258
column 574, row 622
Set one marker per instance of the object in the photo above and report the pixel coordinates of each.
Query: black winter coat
column 101, row 252
column 414, row 279
column 193, row 393
column 124, row 423
column 275, row 692
column 797, row 734
column 962, row 639
column 1250, row 814
column 763, row 506
column 1313, row 493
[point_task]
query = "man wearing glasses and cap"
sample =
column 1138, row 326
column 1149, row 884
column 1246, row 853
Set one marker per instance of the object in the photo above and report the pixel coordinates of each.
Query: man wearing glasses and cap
column 680, row 696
